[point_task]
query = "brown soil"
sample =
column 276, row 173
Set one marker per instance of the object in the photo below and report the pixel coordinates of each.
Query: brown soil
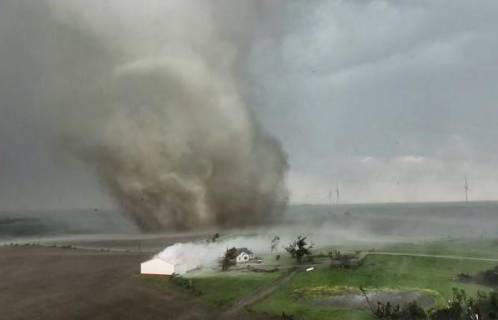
column 51, row 283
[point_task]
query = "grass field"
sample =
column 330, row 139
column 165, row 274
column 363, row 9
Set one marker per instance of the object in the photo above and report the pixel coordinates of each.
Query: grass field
column 222, row 291
column 478, row 248
column 219, row 291
column 376, row 272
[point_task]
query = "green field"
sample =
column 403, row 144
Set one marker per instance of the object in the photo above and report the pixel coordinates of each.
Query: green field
column 438, row 275
column 223, row 291
column 377, row 271
column 477, row 247
column 218, row 291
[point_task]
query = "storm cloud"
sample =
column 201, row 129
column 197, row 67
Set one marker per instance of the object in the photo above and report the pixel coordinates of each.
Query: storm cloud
column 390, row 100
column 360, row 89
column 149, row 99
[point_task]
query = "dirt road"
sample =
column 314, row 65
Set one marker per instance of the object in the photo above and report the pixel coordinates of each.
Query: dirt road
column 258, row 295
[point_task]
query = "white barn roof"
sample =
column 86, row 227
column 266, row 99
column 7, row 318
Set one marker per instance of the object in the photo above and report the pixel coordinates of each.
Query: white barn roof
column 157, row 266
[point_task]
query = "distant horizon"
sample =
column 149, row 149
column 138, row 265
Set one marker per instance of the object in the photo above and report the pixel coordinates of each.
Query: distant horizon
column 395, row 202
column 59, row 210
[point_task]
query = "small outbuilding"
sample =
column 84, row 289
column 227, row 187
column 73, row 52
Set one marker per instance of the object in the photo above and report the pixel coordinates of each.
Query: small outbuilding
column 157, row 266
column 244, row 255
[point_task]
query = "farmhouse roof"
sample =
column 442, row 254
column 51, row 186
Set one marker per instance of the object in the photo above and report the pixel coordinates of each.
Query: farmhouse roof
column 244, row 250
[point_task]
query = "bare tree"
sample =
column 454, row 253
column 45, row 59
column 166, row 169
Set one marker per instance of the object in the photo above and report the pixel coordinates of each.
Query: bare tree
column 274, row 243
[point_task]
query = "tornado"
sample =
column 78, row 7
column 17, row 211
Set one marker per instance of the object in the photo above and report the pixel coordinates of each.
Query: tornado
column 184, row 152
column 150, row 96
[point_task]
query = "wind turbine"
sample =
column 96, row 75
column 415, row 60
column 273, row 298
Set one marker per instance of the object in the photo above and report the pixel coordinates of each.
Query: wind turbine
column 466, row 188
column 337, row 193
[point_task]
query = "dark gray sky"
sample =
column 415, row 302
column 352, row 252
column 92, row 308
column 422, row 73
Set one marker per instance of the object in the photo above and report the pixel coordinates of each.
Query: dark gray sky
column 391, row 100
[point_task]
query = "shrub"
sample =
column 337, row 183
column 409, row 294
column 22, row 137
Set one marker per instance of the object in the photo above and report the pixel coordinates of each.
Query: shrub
column 186, row 284
column 460, row 307
column 412, row 311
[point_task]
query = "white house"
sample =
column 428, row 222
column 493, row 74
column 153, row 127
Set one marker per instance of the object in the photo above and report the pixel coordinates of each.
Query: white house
column 157, row 266
column 244, row 255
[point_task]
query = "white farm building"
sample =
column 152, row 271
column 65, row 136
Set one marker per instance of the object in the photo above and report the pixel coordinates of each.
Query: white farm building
column 159, row 266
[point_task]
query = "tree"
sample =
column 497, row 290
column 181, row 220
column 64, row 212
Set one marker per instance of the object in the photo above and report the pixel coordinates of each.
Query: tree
column 299, row 249
column 460, row 307
column 213, row 239
column 229, row 259
column 274, row 243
